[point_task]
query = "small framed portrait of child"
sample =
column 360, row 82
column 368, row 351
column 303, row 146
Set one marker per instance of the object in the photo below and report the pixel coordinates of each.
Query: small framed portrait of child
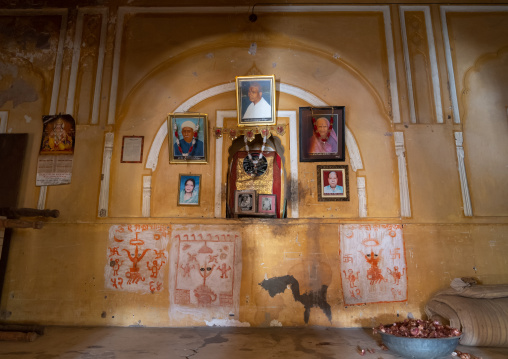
column 267, row 203
column 333, row 183
column 188, row 137
column 245, row 202
column 189, row 190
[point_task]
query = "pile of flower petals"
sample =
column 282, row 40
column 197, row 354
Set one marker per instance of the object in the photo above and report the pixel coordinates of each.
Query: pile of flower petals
column 417, row 328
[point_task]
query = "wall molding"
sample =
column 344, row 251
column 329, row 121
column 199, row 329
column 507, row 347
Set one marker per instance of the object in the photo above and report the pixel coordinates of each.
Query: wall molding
column 466, row 199
column 384, row 9
column 405, row 202
column 448, row 52
column 433, row 62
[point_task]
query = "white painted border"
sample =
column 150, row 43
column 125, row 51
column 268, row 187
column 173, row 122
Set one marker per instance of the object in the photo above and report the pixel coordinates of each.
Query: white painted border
column 4, row 116
column 76, row 57
column 449, row 62
column 433, row 62
column 122, row 11
column 221, row 115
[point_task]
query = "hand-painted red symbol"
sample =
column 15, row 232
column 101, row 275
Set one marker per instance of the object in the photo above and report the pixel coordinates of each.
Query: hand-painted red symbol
column 115, row 282
column 186, row 269
column 116, row 266
column 155, row 286
column 224, row 271
column 370, row 242
column 351, row 277
column 396, row 274
column 154, row 268
column 205, row 295
column 213, row 259
column 347, row 258
column 374, row 272
column 159, row 254
column 396, row 292
column 133, row 274
column 395, row 253
column 113, row 251
column 356, row 291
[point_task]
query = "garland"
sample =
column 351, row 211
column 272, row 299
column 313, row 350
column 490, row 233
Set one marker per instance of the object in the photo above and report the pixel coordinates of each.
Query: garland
column 264, row 133
column 193, row 140
column 318, row 135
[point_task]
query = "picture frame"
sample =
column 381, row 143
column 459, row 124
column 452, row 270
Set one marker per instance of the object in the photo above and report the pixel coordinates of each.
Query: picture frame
column 188, row 196
column 322, row 134
column 255, row 100
column 330, row 189
column 132, row 149
column 245, row 202
column 188, row 132
column 58, row 135
column 267, row 203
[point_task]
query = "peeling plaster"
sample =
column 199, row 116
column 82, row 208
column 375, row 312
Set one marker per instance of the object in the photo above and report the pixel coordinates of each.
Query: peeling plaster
column 28, row 119
column 253, row 48
column 275, row 323
column 226, row 323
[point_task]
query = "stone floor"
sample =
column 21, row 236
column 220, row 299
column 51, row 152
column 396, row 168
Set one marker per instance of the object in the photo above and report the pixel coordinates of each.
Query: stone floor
column 209, row 343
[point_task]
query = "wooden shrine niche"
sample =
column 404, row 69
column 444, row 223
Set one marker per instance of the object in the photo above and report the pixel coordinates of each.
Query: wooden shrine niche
column 256, row 184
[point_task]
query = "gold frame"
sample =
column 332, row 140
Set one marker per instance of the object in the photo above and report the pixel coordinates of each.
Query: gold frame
column 242, row 85
column 187, row 176
column 178, row 119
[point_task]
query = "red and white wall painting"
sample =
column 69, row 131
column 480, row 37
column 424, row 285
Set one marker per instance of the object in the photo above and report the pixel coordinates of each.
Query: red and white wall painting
column 372, row 263
column 205, row 273
column 136, row 258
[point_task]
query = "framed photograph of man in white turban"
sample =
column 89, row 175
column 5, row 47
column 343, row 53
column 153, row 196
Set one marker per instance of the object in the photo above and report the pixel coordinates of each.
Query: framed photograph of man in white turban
column 255, row 99
column 322, row 134
column 188, row 137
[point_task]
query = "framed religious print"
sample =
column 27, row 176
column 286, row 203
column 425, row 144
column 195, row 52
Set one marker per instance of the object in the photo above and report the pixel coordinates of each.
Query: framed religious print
column 58, row 135
column 245, row 202
column 322, row 134
column 189, row 190
column 333, row 183
column 255, row 100
column 267, row 203
column 188, row 137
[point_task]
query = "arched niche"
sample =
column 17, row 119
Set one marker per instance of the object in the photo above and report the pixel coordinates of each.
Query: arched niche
column 266, row 177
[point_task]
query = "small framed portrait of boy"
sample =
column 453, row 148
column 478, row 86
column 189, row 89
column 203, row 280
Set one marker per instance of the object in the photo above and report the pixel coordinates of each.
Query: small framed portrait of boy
column 333, row 183
column 189, row 190
column 267, row 203
column 245, row 202
column 188, row 137
column 255, row 98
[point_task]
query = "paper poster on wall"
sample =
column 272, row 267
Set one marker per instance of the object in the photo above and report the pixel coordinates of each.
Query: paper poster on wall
column 56, row 155
column 136, row 258
column 205, row 274
column 373, row 263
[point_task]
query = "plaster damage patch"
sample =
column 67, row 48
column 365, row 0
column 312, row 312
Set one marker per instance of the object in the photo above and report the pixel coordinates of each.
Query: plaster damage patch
column 205, row 273
column 253, row 48
column 136, row 258
column 226, row 323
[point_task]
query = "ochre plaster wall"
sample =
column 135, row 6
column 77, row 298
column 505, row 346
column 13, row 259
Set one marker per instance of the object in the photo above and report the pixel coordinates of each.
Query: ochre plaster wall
column 57, row 275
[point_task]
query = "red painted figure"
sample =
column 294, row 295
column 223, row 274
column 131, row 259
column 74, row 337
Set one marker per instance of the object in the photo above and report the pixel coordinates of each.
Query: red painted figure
column 374, row 272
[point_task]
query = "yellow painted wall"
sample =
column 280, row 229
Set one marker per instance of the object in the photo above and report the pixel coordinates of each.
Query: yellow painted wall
column 340, row 56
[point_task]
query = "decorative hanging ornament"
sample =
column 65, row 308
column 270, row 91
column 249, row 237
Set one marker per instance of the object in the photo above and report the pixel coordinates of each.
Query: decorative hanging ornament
column 255, row 161
column 195, row 137
column 316, row 132
column 218, row 132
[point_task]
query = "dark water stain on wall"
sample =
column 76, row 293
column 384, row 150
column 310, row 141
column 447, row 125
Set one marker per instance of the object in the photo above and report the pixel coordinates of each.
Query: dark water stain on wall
column 314, row 298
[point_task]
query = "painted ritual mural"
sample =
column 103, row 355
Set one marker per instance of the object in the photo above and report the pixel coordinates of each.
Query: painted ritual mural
column 205, row 273
column 373, row 263
column 136, row 257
